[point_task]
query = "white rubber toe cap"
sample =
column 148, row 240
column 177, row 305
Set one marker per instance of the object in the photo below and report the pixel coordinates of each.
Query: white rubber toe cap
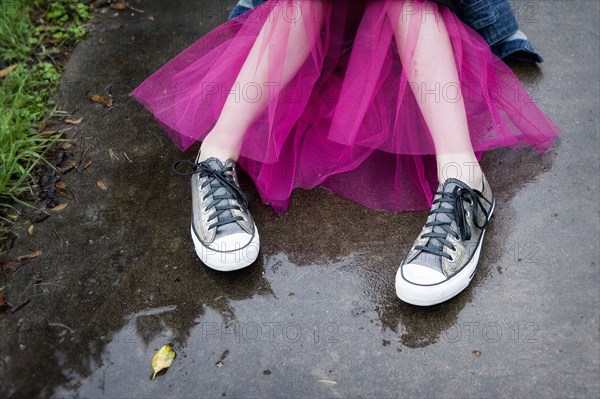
column 232, row 242
column 422, row 275
column 229, row 253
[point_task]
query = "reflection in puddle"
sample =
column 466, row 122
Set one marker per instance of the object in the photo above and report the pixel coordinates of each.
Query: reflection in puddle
column 312, row 318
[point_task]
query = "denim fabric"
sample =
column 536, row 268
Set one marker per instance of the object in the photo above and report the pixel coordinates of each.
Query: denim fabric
column 517, row 47
column 494, row 20
column 243, row 6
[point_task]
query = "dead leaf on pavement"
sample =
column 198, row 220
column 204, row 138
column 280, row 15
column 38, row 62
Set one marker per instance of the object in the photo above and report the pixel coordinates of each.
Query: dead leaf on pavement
column 7, row 70
column 12, row 265
column 101, row 184
column 73, row 121
column 60, row 207
column 87, row 164
column 30, row 231
column 119, row 5
column 30, row 256
column 61, row 186
column 3, row 304
column 477, row 353
column 100, row 99
column 69, row 166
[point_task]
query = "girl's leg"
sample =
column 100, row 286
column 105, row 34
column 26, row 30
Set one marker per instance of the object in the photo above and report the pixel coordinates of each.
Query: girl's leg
column 443, row 260
column 295, row 24
column 430, row 67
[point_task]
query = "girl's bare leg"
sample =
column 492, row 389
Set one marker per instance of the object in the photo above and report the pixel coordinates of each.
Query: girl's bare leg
column 432, row 66
column 224, row 141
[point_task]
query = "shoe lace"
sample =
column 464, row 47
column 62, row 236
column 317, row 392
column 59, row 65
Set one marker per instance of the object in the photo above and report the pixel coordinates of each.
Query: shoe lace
column 220, row 203
column 456, row 212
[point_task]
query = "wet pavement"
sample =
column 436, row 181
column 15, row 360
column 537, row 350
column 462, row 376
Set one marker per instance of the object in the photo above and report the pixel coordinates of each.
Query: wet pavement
column 317, row 315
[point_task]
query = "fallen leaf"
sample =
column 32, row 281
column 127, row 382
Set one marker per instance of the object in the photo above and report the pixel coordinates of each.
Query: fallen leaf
column 60, row 207
column 87, row 164
column 477, row 353
column 73, row 121
column 7, row 70
column 104, row 100
column 66, row 146
column 101, row 184
column 30, row 256
column 162, row 359
column 69, row 166
column 30, row 230
column 119, row 5
column 61, row 186
column 3, row 304
column 10, row 266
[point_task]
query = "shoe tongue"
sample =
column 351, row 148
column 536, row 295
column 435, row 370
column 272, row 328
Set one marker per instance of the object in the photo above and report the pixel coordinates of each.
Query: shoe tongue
column 213, row 163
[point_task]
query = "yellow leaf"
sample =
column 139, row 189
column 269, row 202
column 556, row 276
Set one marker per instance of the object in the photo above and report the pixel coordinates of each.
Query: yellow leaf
column 163, row 359
column 30, row 230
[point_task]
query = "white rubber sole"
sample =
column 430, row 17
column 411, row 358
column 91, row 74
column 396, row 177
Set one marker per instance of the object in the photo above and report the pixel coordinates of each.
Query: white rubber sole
column 428, row 295
column 227, row 261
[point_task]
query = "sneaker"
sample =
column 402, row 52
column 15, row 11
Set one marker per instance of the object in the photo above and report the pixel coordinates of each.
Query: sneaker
column 443, row 259
column 224, row 233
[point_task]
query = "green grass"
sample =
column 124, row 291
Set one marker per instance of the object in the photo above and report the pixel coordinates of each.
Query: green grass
column 33, row 35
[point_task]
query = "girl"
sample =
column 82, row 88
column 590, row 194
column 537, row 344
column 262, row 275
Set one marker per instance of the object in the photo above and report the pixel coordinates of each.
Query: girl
column 387, row 103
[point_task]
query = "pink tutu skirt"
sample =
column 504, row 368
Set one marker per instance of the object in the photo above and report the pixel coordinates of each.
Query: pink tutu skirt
column 348, row 120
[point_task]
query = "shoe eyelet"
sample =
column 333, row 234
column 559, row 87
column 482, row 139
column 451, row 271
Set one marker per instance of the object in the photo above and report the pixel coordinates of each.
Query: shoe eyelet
column 468, row 214
column 451, row 258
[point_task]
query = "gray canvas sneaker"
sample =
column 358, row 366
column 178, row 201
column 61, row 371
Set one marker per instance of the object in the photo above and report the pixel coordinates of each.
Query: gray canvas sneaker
column 443, row 259
column 224, row 233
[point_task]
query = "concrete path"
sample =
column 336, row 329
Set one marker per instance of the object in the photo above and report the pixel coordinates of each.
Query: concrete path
column 317, row 315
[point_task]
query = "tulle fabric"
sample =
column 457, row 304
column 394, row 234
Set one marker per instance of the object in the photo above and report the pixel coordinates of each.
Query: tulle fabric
column 348, row 121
